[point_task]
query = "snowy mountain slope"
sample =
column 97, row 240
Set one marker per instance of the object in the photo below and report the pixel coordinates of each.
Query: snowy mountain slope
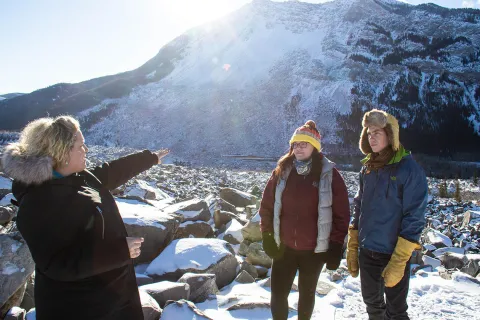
column 242, row 84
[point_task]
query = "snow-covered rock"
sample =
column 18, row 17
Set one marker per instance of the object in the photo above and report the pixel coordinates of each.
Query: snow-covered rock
column 442, row 251
column 16, row 265
column 435, row 236
column 155, row 226
column 197, row 256
column 167, row 290
column 202, row 286
column 431, row 261
column 148, row 191
column 5, row 186
column 237, row 198
column 15, row 313
column 233, row 234
column 183, row 310
column 6, row 215
column 191, row 210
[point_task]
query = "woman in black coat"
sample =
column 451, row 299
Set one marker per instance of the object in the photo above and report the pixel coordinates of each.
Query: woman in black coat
column 71, row 223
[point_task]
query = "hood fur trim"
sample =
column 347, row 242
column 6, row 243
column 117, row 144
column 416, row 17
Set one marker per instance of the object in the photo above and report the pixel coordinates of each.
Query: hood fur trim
column 383, row 120
column 26, row 169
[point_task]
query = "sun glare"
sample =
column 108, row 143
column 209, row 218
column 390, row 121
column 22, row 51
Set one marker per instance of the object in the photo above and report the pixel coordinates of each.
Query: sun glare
column 196, row 12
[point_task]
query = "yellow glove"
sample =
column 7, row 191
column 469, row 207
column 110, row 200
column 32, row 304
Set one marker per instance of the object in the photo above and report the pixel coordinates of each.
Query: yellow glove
column 395, row 269
column 352, row 252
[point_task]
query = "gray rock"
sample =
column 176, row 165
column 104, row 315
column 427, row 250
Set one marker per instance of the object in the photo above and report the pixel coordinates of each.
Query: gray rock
column 262, row 271
column 256, row 256
column 323, row 288
column 244, row 277
column 16, row 264
column 245, row 266
column 244, row 247
column 416, row 257
column 156, row 239
column 251, row 305
column 472, row 267
column 431, row 261
column 186, row 308
column 13, row 301
column 167, row 290
column 221, row 218
column 15, row 313
column 151, row 309
column 191, row 210
column 453, row 261
column 250, row 211
column 28, row 301
column 195, row 229
column 251, row 231
column 237, row 198
column 143, row 279
column 202, row 285
column 6, row 215
column 224, row 205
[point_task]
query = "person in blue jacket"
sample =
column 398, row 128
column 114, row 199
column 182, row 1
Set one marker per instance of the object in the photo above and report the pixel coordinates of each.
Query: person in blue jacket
column 388, row 219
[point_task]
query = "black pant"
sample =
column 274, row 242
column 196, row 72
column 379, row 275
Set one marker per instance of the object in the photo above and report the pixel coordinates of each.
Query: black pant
column 284, row 269
column 373, row 287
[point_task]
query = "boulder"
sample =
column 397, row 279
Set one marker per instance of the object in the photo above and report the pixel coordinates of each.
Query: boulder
column 28, row 301
column 244, row 277
column 5, row 186
column 155, row 226
column 182, row 309
column 221, row 218
column 193, row 229
column 256, row 255
column 251, row 231
column 202, row 285
column 244, row 247
column 13, row 301
column 245, row 266
column 151, row 309
column 16, row 266
column 143, row 279
column 262, row 271
column 195, row 256
column 431, row 261
column 167, row 290
column 434, row 237
column 323, row 288
column 453, row 260
column 191, row 210
column 223, row 205
column 6, row 215
column 237, row 198
column 233, row 234
column 439, row 252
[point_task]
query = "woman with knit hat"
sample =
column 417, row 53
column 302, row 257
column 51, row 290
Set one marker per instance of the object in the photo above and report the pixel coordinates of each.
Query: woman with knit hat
column 389, row 216
column 304, row 220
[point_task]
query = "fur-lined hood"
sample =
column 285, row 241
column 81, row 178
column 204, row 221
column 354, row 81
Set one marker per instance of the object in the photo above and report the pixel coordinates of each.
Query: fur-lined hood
column 383, row 120
column 29, row 170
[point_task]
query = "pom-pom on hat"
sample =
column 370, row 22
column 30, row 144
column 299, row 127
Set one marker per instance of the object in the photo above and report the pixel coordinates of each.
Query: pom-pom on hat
column 307, row 133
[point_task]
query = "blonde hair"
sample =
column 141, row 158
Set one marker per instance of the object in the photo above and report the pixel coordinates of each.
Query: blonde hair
column 50, row 137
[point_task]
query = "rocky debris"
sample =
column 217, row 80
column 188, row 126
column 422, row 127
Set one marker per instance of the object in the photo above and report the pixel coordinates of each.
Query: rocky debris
column 202, row 285
column 151, row 309
column 193, row 229
column 244, row 277
column 6, row 215
column 237, row 198
column 195, row 255
column 191, row 210
column 256, row 255
column 186, row 308
column 251, row 231
column 16, row 267
column 167, row 290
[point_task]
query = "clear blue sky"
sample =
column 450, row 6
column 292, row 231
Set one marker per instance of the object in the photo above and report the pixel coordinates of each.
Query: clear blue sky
column 43, row 42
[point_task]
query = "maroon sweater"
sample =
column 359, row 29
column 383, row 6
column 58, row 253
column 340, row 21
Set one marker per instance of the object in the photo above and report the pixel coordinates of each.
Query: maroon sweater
column 299, row 216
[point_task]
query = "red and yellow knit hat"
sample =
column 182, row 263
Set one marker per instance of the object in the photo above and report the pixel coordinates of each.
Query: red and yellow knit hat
column 307, row 133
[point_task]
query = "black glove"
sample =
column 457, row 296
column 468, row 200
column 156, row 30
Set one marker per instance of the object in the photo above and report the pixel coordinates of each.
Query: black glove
column 334, row 255
column 269, row 245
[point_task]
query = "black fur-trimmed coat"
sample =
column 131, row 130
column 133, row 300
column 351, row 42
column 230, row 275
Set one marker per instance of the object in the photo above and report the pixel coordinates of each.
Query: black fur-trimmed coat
column 77, row 237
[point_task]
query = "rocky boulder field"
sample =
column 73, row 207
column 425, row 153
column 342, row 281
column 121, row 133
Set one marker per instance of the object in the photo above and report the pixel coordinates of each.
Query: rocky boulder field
column 202, row 257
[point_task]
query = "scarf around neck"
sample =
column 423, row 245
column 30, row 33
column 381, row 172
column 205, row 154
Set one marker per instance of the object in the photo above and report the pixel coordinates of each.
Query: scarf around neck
column 303, row 167
column 380, row 159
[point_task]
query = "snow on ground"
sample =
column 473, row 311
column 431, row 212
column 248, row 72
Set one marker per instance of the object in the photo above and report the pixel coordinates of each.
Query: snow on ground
column 430, row 297
column 5, row 184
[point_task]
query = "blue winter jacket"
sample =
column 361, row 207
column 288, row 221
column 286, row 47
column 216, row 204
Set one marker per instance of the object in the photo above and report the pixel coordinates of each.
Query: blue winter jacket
column 390, row 202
